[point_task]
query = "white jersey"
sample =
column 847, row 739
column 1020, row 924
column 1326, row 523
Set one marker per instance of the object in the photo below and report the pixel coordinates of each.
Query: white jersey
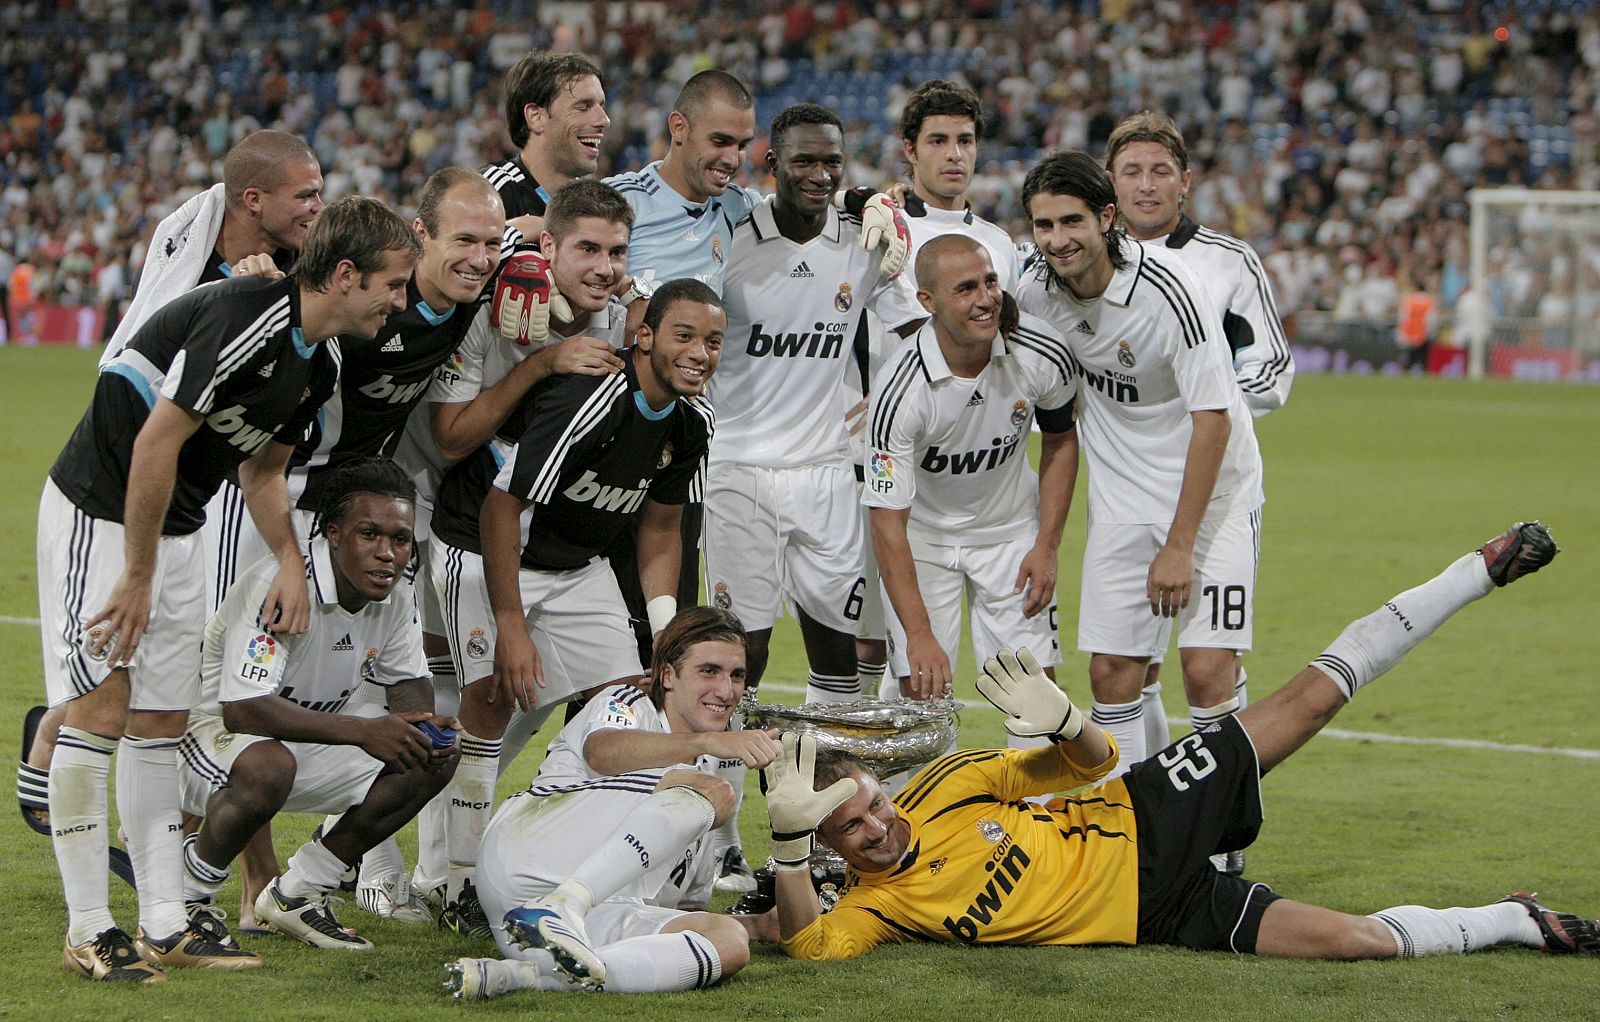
column 954, row 450
column 926, row 223
column 1240, row 290
column 793, row 313
column 624, row 707
column 1149, row 351
column 319, row 668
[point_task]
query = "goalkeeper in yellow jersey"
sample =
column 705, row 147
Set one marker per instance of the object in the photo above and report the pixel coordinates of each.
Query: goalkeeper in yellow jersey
column 959, row 855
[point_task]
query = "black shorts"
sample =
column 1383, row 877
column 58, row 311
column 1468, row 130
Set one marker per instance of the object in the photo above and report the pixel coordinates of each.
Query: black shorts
column 1196, row 798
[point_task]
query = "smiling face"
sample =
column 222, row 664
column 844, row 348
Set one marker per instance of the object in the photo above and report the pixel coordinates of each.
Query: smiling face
column 683, row 351
column 1150, row 188
column 710, row 146
column 286, row 211
column 1072, row 238
column 588, row 261
column 570, row 128
column 942, row 159
column 702, row 692
column 370, row 298
column 456, row 262
column 866, row 830
column 808, row 166
column 962, row 294
column 370, row 547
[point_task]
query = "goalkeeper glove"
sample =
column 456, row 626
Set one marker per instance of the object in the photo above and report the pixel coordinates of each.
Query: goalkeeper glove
column 883, row 225
column 1034, row 706
column 525, row 296
column 794, row 807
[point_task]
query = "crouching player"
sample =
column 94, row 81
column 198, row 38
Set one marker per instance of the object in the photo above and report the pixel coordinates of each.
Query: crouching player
column 269, row 737
column 590, row 867
column 1126, row 861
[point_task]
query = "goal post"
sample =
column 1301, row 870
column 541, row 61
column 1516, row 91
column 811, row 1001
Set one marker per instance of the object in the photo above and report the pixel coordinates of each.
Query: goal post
column 1535, row 255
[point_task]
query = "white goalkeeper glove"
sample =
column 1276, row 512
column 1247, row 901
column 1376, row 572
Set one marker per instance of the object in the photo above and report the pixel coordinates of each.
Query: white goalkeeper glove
column 882, row 224
column 794, row 807
column 1034, row 706
column 525, row 296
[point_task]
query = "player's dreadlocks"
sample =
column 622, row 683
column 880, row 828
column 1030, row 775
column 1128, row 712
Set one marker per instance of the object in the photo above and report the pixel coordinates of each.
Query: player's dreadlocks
column 378, row 476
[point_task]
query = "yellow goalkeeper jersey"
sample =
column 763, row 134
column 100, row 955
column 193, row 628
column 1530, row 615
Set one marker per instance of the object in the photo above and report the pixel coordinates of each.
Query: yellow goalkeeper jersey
column 983, row 866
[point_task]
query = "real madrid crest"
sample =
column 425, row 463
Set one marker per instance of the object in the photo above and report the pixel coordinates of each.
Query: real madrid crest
column 223, row 740
column 369, row 667
column 93, row 637
column 844, row 298
column 992, row 832
column 1019, row 413
column 477, row 644
column 720, row 596
column 716, row 250
column 666, row 456
column 1125, row 354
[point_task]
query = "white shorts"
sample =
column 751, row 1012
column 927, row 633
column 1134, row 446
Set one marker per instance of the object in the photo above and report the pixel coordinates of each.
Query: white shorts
column 776, row 531
column 427, row 597
column 533, row 844
column 873, row 624
column 232, row 542
column 1114, row 611
column 577, row 619
column 985, row 574
column 80, row 559
column 327, row 779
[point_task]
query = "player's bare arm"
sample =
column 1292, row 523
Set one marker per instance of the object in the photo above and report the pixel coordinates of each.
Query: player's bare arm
column 1172, row 572
column 461, row 427
column 930, row 669
column 409, row 698
column 1058, row 474
column 660, row 556
column 391, row 738
column 516, row 662
column 621, row 750
column 287, row 607
column 151, row 474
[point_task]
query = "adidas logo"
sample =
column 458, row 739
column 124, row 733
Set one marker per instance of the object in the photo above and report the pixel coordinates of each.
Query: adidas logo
column 802, row 271
column 976, row 399
column 344, row 645
column 392, row 345
column 1083, row 327
column 266, row 370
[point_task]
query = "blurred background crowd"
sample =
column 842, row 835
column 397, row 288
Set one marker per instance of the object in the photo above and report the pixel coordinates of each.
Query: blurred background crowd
column 1340, row 138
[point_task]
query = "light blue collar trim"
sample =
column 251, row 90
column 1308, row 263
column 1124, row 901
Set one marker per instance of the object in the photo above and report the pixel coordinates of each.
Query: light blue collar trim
column 434, row 318
column 650, row 413
column 300, row 346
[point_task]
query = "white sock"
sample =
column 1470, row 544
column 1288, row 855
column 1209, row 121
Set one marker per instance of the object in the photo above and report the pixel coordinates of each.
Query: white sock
column 1124, row 722
column 873, row 676
column 1241, row 687
column 471, row 804
column 727, row 835
column 78, row 823
column 201, row 879
column 1157, row 734
column 313, row 871
column 383, row 860
column 147, row 805
column 653, row 836
column 446, row 685
column 1422, row 931
column 1373, row 644
column 660, row 963
column 831, row 688
column 433, row 857
column 33, row 786
column 1204, row 716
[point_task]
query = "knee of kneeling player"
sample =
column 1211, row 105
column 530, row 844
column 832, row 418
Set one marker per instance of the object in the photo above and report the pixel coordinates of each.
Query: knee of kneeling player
column 263, row 776
column 728, row 936
column 724, row 800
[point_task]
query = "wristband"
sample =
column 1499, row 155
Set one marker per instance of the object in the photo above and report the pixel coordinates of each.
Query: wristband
column 661, row 610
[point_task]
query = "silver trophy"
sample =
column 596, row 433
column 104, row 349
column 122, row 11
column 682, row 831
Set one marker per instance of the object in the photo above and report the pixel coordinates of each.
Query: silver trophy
column 889, row 735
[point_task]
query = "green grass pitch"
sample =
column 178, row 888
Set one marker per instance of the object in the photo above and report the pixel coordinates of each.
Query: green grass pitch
column 1373, row 484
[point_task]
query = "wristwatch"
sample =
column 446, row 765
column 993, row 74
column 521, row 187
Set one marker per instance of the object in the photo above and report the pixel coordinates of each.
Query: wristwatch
column 638, row 288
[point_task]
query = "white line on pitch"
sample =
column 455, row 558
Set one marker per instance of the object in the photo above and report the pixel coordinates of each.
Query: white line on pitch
column 1351, row 736
column 31, row 622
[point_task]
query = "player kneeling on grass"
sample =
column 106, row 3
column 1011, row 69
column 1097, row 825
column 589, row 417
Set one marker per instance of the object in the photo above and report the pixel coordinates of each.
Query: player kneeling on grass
column 958, row 857
column 592, row 866
column 269, row 737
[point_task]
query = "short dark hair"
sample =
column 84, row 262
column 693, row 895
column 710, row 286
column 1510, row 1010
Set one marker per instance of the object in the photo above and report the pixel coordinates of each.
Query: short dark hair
column 686, row 289
column 833, row 764
column 939, row 98
column 258, row 159
column 929, row 252
column 1147, row 126
column 439, row 184
column 800, row 113
column 708, row 86
column 688, row 628
column 378, row 476
column 1078, row 175
column 537, row 79
column 581, row 198
column 356, row 228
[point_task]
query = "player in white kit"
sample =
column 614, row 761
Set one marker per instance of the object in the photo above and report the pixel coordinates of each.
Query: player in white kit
column 956, row 510
column 593, row 866
column 1175, row 474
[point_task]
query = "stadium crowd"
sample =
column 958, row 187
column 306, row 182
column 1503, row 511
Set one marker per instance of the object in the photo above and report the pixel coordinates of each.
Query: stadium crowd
column 1338, row 138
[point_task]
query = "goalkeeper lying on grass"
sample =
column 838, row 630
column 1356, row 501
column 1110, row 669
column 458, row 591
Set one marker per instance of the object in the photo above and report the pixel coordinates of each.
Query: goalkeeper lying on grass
column 959, row 856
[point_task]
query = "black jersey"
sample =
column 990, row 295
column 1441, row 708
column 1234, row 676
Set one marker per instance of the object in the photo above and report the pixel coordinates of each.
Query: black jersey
column 231, row 352
column 380, row 382
column 591, row 453
column 218, row 268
